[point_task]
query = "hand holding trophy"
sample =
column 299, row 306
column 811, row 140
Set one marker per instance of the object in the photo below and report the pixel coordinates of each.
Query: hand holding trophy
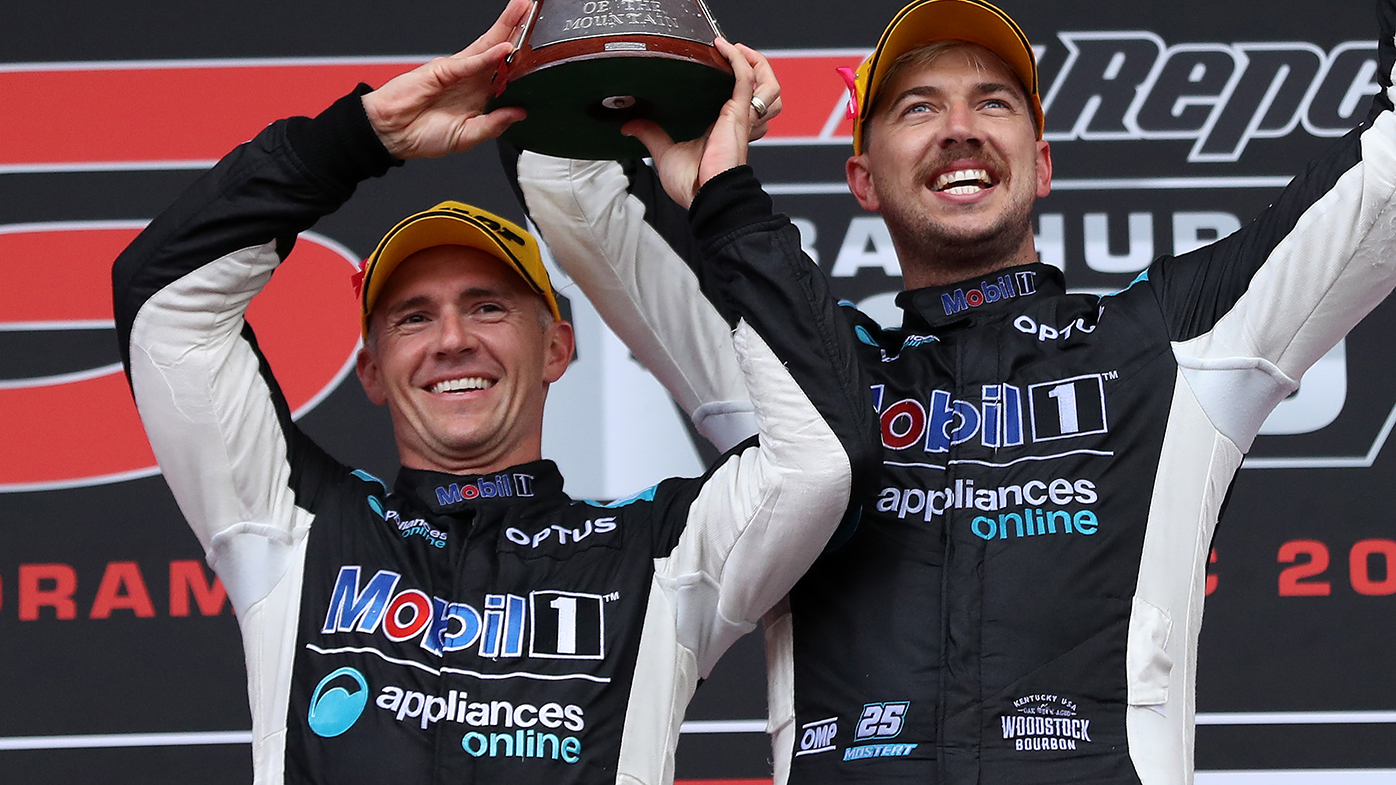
column 584, row 68
column 684, row 167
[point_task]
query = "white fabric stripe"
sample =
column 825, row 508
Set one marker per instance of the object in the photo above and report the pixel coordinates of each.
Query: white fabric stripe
column 646, row 293
column 1195, row 467
column 461, row 671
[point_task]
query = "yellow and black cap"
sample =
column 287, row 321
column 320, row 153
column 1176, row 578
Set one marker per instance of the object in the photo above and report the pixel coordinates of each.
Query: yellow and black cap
column 453, row 223
column 928, row 21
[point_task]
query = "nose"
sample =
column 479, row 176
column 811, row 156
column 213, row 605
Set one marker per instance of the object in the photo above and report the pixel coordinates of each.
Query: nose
column 455, row 335
column 960, row 125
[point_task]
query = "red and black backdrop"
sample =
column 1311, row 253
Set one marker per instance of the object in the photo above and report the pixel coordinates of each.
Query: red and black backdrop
column 1171, row 124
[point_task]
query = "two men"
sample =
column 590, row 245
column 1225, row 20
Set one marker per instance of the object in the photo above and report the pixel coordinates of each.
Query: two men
column 1022, row 598
column 473, row 623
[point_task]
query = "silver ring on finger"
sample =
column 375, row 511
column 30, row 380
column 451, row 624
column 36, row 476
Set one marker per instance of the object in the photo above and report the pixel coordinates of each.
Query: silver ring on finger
column 759, row 105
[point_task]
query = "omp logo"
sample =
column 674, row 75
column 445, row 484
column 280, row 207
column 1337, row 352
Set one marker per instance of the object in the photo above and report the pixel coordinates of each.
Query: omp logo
column 1007, row 287
column 334, row 710
column 556, row 624
column 1061, row 409
column 818, row 736
column 72, row 426
column 71, row 423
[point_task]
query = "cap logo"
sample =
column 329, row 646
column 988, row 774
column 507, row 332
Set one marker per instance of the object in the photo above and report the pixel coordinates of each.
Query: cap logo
column 494, row 226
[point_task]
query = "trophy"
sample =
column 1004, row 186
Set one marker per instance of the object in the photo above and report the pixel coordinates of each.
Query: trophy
column 582, row 68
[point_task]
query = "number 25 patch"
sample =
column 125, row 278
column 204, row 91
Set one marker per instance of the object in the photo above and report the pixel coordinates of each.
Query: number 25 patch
column 881, row 720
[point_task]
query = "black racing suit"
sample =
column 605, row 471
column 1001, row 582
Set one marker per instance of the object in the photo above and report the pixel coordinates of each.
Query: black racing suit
column 489, row 628
column 1022, row 600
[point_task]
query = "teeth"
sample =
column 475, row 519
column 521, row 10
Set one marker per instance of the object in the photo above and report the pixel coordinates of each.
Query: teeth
column 964, row 181
column 457, row 385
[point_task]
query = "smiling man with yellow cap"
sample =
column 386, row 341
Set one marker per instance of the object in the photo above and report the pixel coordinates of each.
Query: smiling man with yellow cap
column 470, row 623
column 1022, row 598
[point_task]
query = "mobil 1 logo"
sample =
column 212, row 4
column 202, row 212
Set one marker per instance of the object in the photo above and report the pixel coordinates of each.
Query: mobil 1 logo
column 567, row 626
column 1067, row 407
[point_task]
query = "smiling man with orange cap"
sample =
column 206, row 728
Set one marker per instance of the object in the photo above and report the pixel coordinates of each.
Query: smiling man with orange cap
column 470, row 623
column 1022, row 598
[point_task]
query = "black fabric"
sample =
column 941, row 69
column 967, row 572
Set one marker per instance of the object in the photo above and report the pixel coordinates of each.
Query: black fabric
column 964, row 613
column 479, row 628
column 974, row 628
column 508, row 549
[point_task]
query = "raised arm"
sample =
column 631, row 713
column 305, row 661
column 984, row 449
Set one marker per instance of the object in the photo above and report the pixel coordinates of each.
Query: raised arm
column 762, row 515
column 614, row 232
column 768, row 512
column 219, row 426
column 765, row 311
column 1254, row 311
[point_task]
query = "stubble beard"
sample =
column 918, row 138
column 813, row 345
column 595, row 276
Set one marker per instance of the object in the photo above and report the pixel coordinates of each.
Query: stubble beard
column 949, row 252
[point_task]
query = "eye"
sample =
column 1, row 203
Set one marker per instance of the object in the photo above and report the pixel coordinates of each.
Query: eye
column 998, row 103
column 917, row 107
column 415, row 317
column 490, row 311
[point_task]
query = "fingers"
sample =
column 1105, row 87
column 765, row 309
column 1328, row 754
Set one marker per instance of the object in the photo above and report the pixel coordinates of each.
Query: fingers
column 767, row 87
column 763, row 125
column 651, row 135
column 502, row 30
column 488, row 126
column 741, row 70
column 462, row 66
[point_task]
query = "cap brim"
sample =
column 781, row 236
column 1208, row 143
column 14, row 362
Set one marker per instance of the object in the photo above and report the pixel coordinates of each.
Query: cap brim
column 445, row 227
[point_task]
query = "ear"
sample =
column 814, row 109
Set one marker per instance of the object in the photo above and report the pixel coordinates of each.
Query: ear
column 1044, row 168
column 370, row 376
column 558, row 346
column 860, row 182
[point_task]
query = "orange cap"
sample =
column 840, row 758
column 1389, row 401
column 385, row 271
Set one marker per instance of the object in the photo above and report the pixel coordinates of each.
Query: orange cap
column 927, row 21
column 453, row 223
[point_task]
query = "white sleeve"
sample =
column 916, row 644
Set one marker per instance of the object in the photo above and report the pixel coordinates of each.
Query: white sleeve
column 597, row 232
